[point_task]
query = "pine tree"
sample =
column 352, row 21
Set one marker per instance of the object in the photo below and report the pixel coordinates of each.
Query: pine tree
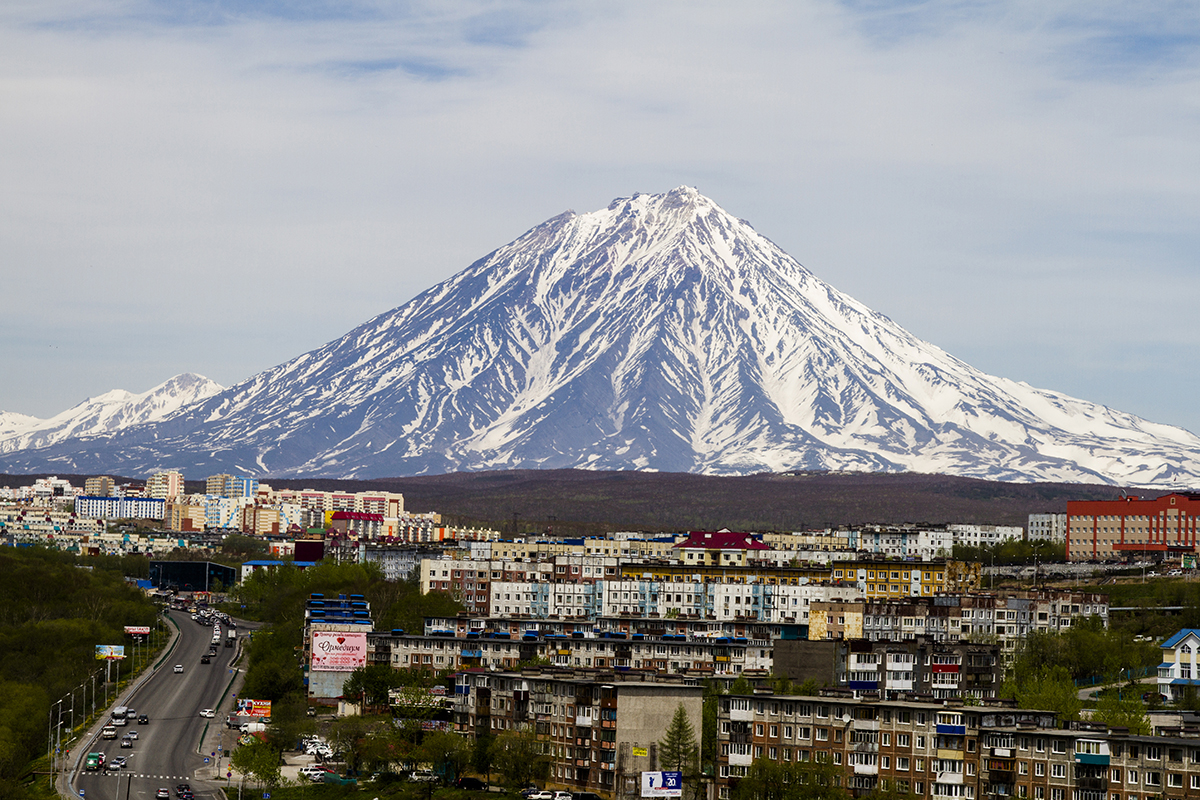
column 678, row 751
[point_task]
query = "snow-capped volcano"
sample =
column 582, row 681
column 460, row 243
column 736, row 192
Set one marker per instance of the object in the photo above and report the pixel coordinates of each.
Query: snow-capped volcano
column 659, row 333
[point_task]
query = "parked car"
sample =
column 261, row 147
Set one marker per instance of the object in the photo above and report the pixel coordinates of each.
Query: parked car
column 423, row 776
column 470, row 783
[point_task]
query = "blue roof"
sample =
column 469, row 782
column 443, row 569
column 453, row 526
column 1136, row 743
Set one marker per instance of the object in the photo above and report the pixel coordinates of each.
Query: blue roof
column 1177, row 638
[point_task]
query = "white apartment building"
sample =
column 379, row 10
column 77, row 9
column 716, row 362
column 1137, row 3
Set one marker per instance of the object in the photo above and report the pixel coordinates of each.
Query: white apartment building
column 1048, row 527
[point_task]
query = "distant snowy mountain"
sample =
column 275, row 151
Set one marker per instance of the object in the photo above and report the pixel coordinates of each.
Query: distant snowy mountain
column 110, row 412
column 660, row 333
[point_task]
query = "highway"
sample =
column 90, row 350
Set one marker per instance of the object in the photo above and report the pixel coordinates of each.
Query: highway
column 166, row 752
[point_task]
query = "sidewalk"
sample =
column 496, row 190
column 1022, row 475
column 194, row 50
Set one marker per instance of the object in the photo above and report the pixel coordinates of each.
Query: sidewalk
column 81, row 746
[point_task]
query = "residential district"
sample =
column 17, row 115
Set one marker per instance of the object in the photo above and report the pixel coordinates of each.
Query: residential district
column 593, row 643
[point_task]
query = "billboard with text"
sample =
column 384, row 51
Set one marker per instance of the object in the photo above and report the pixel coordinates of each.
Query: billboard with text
column 338, row 651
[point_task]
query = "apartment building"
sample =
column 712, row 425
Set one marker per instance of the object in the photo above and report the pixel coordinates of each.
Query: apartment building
column 1007, row 617
column 1132, row 527
column 100, row 486
column 990, row 750
column 600, row 728
column 1047, row 527
column 920, row 666
column 165, row 485
column 120, row 507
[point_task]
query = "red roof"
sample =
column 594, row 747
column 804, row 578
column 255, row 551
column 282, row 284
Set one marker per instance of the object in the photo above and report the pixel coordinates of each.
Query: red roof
column 721, row 540
column 358, row 515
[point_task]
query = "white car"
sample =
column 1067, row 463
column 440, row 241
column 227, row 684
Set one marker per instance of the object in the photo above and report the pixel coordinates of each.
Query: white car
column 208, row 712
column 179, row 667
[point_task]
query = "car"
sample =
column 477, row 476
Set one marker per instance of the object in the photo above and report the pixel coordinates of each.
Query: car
column 183, row 787
column 179, row 667
column 470, row 783
column 542, row 795
column 101, row 755
column 312, row 772
column 423, row 776
column 208, row 712
column 143, row 719
column 562, row 796
column 117, row 763
column 205, row 660
column 133, row 734
column 126, row 742
column 162, row 794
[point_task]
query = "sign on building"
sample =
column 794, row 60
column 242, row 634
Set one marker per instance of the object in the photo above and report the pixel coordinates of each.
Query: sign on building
column 662, row 784
column 338, row 651
column 144, row 630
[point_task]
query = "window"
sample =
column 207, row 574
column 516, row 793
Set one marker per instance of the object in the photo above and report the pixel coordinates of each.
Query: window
column 1039, row 769
column 1058, row 770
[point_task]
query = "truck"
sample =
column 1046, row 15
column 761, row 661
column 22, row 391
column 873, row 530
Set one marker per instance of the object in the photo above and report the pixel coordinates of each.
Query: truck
column 253, row 727
column 119, row 715
column 92, row 762
column 230, row 638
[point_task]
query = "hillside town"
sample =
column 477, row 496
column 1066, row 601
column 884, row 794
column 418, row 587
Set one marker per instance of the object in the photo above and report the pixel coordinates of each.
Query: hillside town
column 592, row 643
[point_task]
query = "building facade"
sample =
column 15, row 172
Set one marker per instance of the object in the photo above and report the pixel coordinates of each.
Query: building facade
column 1132, row 527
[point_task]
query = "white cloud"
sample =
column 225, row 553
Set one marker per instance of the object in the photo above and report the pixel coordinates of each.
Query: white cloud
column 217, row 187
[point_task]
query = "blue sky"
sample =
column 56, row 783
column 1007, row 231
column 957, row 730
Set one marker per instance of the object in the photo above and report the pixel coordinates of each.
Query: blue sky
column 216, row 187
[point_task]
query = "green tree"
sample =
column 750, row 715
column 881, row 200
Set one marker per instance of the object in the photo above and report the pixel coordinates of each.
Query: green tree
column 801, row 780
column 1047, row 689
column 259, row 760
column 449, row 754
column 678, row 752
column 1124, row 708
column 708, row 727
column 741, row 686
column 518, row 756
column 483, row 754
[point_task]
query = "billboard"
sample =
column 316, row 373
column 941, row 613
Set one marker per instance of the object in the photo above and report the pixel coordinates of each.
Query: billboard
column 109, row 651
column 136, row 629
column 662, row 784
column 338, row 651
column 253, row 708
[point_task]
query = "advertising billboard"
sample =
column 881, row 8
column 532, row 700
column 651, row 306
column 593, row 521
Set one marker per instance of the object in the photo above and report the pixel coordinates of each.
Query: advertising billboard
column 144, row 630
column 338, row 651
column 253, row 708
column 109, row 651
column 662, row 784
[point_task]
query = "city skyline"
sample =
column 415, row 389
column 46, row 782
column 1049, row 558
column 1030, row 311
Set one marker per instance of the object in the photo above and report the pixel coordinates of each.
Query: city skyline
column 219, row 188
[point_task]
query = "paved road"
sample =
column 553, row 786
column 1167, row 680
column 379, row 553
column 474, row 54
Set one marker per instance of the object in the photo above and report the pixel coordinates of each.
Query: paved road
column 171, row 748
